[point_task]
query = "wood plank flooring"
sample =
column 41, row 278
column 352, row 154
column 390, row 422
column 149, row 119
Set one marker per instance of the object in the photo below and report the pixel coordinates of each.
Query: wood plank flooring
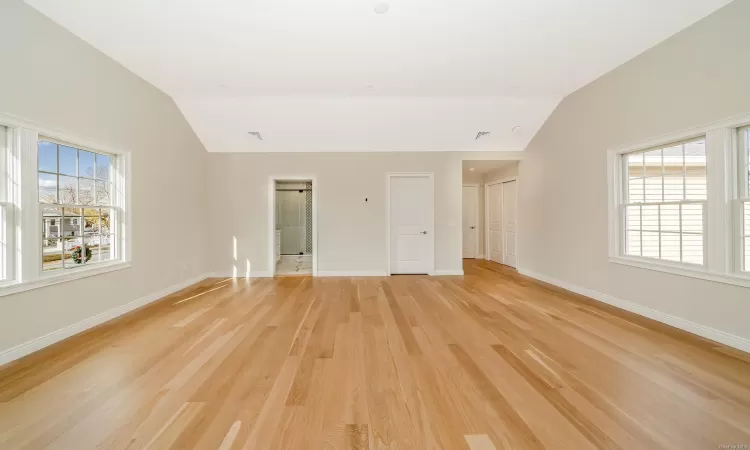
column 492, row 360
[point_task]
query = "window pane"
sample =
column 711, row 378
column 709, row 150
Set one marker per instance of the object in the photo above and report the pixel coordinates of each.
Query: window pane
column 633, row 244
column 673, row 174
column 747, row 254
column 85, row 164
column 634, row 163
column 51, row 254
column 692, row 248
column 68, row 190
column 47, row 188
column 70, row 261
column 103, row 165
column 100, row 246
column 650, row 217
column 670, row 217
column 670, row 246
column 47, row 156
column 71, row 226
column 68, row 160
column 692, row 218
column 650, row 243
column 85, row 191
column 633, row 218
column 695, row 170
column 91, row 225
column 654, row 189
column 105, row 221
column 103, row 190
column 652, row 162
column 747, row 218
column 635, row 190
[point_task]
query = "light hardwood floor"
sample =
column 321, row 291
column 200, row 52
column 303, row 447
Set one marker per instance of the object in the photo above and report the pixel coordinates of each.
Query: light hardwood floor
column 489, row 360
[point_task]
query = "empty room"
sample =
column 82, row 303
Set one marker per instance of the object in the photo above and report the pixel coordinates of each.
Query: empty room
column 375, row 224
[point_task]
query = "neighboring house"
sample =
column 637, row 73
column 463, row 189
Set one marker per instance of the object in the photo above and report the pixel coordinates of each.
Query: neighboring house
column 61, row 227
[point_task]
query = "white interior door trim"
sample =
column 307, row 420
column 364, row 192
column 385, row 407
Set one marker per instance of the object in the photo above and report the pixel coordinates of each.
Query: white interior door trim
column 487, row 217
column 477, row 251
column 271, row 232
column 430, row 224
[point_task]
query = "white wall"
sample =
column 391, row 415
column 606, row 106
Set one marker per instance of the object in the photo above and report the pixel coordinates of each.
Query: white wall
column 696, row 77
column 351, row 232
column 52, row 78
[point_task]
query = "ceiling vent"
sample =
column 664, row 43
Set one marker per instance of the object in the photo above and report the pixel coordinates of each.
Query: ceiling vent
column 256, row 134
column 481, row 133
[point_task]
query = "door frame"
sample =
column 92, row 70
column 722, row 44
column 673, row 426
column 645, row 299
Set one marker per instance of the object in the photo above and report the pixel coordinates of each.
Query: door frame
column 477, row 252
column 502, row 225
column 430, row 218
column 271, row 232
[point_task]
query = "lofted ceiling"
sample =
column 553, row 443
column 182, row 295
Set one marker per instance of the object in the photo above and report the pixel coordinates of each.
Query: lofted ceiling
column 334, row 75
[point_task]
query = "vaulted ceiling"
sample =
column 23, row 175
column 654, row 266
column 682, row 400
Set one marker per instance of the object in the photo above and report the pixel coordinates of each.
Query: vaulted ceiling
column 334, row 75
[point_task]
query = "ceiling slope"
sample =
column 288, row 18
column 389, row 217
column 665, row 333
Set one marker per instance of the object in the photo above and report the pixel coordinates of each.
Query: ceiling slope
column 332, row 75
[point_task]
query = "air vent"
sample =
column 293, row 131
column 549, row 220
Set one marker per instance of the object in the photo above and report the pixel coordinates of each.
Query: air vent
column 256, row 134
column 481, row 133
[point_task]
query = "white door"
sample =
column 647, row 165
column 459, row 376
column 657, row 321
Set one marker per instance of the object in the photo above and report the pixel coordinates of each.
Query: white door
column 510, row 212
column 411, row 214
column 470, row 221
column 495, row 212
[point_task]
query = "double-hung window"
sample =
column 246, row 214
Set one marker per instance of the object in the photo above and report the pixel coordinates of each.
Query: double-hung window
column 743, row 164
column 78, row 217
column 63, row 207
column 6, row 207
column 665, row 202
column 681, row 204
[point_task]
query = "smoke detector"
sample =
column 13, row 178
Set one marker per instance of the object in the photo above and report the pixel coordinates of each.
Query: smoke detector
column 481, row 133
column 256, row 134
column 381, row 8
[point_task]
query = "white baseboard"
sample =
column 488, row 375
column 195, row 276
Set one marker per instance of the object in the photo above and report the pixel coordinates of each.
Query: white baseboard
column 351, row 273
column 440, row 273
column 48, row 339
column 701, row 330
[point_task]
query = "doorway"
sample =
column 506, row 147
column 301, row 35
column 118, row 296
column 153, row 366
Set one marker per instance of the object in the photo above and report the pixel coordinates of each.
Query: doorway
column 292, row 217
column 502, row 221
column 410, row 223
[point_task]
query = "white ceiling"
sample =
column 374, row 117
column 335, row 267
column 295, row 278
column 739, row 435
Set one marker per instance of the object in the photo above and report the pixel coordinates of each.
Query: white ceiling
column 331, row 75
column 480, row 168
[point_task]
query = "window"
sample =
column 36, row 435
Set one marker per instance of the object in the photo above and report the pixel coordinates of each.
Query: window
column 743, row 159
column 5, row 207
column 76, row 208
column 63, row 207
column 665, row 202
column 681, row 204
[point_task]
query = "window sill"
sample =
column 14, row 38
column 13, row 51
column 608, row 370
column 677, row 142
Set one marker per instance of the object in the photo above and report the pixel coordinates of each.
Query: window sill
column 685, row 271
column 49, row 280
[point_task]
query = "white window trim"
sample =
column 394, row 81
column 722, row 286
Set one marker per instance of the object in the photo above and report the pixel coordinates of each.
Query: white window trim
column 720, row 234
column 27, row 263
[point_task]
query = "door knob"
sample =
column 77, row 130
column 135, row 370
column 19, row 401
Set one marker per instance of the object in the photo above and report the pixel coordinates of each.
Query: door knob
column 423, row 232
column 472, row 227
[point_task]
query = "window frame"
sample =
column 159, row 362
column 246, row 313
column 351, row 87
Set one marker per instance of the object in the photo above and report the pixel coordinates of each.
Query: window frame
column 741, row 158
column 625, row 192
column 116, row 210
column 27, row 265
column 721, row 232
